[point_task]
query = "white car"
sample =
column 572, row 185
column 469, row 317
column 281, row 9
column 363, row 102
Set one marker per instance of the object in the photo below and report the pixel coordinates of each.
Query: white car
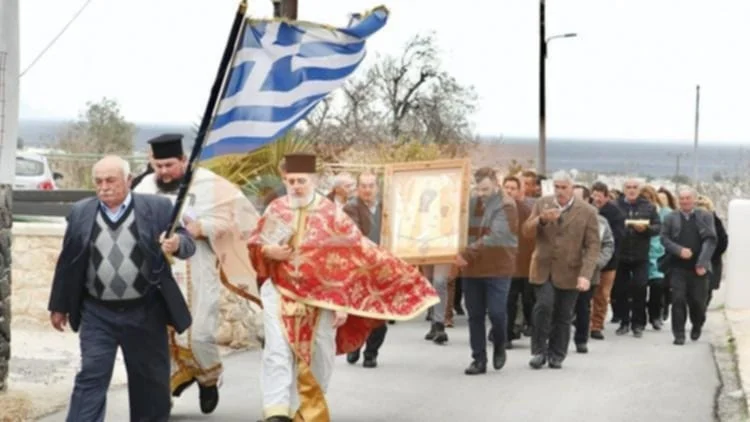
column 33, row 173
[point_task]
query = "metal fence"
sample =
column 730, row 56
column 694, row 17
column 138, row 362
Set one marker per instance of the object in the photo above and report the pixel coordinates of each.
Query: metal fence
column 55, row 203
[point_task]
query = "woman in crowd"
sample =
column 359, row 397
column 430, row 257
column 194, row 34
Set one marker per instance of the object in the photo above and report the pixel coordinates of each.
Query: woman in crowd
column 721, row 246
column 656, row 285
column 668, row 200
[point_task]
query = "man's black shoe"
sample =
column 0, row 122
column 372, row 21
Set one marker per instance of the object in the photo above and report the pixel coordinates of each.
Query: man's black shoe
column 209, row 398
column 555, row 363
column 695, row 333
column 370, row 363
column 537, row 361
column 476, row 368
column 582, row 348
column 679, row 341
column 624, row 329
column 499, row 356
column 637, row 332
column 657, row 324
column 182, row 387
column 597, row 335
column 430, row 336
column 441, row 337
column 352, row 357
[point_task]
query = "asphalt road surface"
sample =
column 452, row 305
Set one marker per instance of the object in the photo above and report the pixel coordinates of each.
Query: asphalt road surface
column 620, row 379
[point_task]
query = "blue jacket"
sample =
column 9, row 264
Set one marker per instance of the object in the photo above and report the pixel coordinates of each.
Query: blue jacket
column 656, row 249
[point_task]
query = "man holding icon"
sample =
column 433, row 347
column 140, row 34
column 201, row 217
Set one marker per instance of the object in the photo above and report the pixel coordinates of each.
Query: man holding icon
column 641, row 222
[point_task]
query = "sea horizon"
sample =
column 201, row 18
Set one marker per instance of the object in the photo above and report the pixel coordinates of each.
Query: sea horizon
column 645, row 157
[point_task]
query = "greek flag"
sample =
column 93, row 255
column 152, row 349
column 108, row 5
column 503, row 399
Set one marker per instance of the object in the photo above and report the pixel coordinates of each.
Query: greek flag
column 280, row 71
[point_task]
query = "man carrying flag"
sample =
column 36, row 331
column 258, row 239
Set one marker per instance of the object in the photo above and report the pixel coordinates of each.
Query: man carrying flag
column 324, row 286
column 219, row 217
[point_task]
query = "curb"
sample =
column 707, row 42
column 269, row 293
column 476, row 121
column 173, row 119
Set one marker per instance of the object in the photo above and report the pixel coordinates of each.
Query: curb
column 730, row 401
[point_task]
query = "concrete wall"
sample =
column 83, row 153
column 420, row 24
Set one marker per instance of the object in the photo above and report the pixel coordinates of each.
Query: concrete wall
column 737, row 258
column 36, row 247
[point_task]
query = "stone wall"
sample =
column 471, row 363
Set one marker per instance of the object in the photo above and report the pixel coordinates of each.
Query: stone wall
column 36, row 247
column 6, row 222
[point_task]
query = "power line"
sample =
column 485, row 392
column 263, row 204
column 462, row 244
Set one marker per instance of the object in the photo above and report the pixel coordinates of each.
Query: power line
column 54, row 40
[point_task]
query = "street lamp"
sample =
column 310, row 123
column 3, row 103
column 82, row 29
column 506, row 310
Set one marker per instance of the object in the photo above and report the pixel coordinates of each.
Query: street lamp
column 543, row 42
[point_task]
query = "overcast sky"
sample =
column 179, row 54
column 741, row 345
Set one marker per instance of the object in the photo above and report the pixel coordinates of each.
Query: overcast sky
column 630, row 73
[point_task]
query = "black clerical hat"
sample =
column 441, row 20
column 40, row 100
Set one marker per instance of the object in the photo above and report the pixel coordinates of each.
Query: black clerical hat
column 299, row 163
column 168, row 145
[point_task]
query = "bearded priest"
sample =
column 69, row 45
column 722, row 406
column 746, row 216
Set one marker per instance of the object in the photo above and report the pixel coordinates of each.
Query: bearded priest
column 324, row 287
column 220, row 219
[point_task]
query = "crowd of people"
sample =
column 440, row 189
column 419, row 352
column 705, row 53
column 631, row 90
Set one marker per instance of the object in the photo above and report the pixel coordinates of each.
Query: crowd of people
column 657, row 251
column 537, row 265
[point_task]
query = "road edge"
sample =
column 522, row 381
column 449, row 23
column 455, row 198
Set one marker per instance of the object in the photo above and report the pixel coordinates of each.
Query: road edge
column 730, row 400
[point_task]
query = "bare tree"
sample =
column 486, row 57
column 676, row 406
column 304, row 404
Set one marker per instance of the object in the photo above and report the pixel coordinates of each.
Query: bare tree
column 100, row 130
column 399, row 99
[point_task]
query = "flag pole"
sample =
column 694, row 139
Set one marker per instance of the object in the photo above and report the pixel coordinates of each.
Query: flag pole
column 213, row 99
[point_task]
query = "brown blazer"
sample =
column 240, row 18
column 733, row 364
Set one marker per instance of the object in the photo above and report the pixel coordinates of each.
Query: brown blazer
column 567, row 250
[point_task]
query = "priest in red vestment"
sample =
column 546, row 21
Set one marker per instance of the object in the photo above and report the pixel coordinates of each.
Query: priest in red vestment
column 324, row 286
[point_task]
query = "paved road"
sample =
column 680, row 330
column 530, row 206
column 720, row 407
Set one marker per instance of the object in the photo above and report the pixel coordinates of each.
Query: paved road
column 621, row 379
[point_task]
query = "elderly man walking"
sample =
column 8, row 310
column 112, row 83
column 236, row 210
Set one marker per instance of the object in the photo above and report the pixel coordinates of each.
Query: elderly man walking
column 689, row 237
column 567, row 250
column 114, row 285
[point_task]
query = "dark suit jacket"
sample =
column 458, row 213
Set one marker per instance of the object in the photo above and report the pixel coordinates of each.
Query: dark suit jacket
column 152, row 215
column 361, row 215
column 670, row 235
column 565, row 250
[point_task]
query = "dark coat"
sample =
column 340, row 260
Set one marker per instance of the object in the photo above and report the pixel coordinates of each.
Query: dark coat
column 360, row 213
column 616, row 220
column 722, row 242
column 153, row 216
column 635, row 245
column 670, row 236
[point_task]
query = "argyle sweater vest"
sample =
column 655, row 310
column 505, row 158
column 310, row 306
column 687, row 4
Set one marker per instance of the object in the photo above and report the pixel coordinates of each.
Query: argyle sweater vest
column 117, row 267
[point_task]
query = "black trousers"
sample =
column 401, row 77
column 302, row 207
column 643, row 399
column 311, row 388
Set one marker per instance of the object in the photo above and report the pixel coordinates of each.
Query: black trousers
column 141, row 332
column 374, row 341
column 656, row 292
column 689, row 293
column 553, row 313
column 582, row 321
column 630, row 292
column 519, row 287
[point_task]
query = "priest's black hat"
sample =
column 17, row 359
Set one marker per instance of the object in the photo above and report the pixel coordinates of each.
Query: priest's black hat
column 168, row 145
column 299, row 163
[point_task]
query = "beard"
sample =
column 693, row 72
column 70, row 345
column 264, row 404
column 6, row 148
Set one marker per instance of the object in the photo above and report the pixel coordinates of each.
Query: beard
column 300, row 201
column 170, row 186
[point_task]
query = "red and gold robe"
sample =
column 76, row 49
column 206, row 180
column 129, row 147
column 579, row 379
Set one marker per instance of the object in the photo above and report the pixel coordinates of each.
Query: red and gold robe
column 334, row 267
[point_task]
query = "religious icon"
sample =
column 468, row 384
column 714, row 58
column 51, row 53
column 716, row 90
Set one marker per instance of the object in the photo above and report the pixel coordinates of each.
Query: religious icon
column 425, row 206
column 275, row 231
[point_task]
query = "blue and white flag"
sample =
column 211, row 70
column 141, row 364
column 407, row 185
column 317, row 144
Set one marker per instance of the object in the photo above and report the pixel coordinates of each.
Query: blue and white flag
column 280, row 71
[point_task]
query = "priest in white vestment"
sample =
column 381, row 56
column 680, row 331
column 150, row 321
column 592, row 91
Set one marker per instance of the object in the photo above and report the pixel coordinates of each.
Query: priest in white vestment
column 220, row 218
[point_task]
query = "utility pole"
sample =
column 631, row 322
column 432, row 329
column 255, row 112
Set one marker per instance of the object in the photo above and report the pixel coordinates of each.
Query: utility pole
column 695, row 134
column 678, row 156
column 543, row 43
column 542, row 90
column 285, row 9
column 9, row 81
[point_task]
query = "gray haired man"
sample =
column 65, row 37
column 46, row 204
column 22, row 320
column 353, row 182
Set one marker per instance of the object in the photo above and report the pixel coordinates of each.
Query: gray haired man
column 689, row 237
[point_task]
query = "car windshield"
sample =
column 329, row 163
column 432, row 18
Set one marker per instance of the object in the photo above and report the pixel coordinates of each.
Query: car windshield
column 27, row 167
